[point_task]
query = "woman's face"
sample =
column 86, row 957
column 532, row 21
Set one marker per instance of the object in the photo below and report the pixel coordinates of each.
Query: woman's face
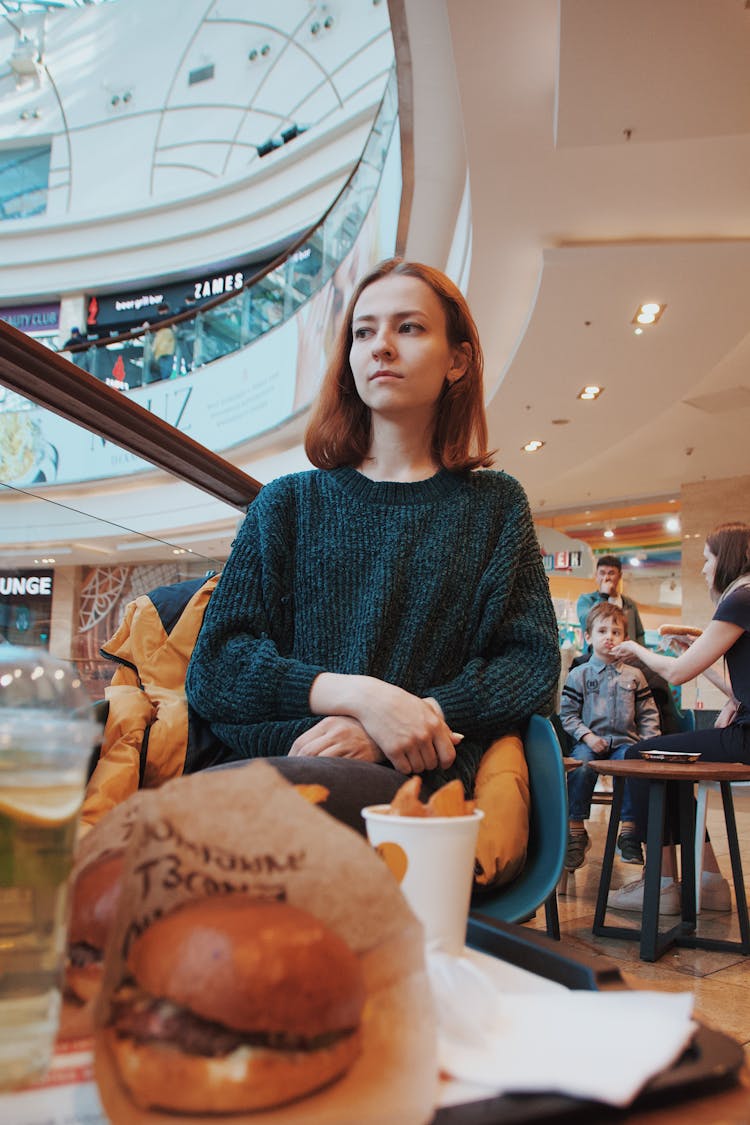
column 400, row 355
column 709, row 566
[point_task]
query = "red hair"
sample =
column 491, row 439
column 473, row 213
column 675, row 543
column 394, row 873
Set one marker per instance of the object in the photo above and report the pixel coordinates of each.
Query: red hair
column 338, row 432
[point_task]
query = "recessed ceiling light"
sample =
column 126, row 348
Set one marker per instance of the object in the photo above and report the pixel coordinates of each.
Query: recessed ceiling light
column 532, row 446
column 634, row 561
column 608, row 533
column 638, row 332
column 648, row 313
column 590, row 392
column 672, row 524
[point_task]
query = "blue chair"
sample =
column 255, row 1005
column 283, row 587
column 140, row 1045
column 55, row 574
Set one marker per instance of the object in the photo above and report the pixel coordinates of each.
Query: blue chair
column 686, row 720
column 548, row 837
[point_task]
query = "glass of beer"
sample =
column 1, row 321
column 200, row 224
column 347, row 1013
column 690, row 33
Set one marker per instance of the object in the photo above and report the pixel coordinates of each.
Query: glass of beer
column 46, row 739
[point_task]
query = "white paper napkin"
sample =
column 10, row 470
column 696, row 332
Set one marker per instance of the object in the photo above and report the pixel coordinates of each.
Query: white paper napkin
column 599, row 1045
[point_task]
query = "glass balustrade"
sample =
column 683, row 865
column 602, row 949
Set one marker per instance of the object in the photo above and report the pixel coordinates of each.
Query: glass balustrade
column 71, row 561
column 181, row 345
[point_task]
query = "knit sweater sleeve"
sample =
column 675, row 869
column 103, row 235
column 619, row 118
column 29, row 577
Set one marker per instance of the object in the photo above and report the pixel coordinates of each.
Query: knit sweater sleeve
column 262, row 740
column 239, row 673
column 517, row 663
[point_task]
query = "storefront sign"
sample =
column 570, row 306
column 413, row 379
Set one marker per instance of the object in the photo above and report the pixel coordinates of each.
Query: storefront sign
column 32, row 319
column 29, row 585
column 563, row 560
column 127, row 309
column 25, row 606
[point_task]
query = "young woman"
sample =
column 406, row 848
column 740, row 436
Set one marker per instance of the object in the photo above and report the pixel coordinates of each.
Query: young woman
column 391, row 605
column 727, row 636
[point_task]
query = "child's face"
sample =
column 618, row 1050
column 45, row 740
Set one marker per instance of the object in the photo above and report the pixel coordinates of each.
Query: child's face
column 607, row 633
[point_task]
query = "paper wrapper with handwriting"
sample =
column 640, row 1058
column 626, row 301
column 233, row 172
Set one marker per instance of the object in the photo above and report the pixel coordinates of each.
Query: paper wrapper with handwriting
column 247, row 831
column 111, row 834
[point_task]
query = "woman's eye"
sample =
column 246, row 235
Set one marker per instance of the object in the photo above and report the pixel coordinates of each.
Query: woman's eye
column 409, row 326
column 361, row 333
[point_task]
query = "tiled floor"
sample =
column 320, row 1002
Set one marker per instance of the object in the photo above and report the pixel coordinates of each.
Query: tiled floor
column 719, row 981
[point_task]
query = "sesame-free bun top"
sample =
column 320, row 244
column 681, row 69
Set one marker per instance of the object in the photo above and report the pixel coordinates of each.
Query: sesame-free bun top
column 96, row 894
column 251, row 966
column 678, row 631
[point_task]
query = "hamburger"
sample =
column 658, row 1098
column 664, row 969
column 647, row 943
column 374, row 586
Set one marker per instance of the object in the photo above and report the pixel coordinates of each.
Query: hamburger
column 678, row 631
column 235, row 1005
column 96, row 893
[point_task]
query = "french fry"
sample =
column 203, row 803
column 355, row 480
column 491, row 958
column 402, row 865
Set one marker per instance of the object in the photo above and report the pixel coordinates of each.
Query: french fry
column 406, row 800
column 315, row 794
column 447, row 801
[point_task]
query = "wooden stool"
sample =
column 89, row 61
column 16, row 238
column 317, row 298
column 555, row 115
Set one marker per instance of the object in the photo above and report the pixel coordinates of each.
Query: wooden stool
column 681, row 777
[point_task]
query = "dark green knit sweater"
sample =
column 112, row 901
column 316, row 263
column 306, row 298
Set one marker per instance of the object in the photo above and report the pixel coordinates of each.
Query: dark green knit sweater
column 437, row 586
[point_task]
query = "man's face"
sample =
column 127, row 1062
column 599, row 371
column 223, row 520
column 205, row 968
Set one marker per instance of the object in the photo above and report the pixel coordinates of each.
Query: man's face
column 607, row 579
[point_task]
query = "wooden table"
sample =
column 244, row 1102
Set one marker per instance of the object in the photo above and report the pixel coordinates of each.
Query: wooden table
column 728, row 1106
column 681, row 778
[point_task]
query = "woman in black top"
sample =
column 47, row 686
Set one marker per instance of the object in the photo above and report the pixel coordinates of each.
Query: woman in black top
column 727, row 636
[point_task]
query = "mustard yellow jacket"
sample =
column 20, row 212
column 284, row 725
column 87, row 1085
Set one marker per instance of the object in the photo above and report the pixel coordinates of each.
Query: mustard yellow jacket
column 146, row 735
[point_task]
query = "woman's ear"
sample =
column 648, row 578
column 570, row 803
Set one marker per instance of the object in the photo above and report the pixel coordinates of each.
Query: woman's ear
column 460, row 364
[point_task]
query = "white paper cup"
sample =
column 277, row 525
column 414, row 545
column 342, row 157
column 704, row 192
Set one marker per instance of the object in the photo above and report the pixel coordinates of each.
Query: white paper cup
column 433, row 860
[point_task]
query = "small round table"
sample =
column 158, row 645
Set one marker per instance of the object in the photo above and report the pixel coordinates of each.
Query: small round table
column 680, row 777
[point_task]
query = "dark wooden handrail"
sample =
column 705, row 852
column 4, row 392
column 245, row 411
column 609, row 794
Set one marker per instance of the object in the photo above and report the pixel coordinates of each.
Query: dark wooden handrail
column 47, row 378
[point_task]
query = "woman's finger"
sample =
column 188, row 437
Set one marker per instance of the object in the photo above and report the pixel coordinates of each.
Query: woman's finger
column 446, row 750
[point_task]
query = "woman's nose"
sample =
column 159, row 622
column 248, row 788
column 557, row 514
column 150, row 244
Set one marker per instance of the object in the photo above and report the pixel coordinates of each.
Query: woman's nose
column 382, row 343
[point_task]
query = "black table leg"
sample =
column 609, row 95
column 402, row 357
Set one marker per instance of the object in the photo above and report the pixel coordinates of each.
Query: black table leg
column 737, row 876
column 652, row 885
column 687, row 854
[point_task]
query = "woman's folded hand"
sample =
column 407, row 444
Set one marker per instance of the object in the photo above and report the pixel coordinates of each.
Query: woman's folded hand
column 337, row 736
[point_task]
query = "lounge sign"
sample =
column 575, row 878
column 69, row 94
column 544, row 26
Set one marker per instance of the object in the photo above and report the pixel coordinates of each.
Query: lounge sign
column 38, row 584
column 26, row 585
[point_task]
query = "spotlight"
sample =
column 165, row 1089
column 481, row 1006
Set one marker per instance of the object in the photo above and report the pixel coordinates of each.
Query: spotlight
column 590, row 392
column 648, row 313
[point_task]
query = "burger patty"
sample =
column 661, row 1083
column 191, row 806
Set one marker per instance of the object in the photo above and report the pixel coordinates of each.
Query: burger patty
column 81, row 954
column 148, row 1019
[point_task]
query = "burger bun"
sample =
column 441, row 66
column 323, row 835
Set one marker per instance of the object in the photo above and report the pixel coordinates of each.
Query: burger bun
column 96, row 894
column 678, row 631
column 288, row 988
column 249, row 1078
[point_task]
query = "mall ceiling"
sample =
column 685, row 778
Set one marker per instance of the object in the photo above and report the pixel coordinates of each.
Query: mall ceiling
column 609, row 153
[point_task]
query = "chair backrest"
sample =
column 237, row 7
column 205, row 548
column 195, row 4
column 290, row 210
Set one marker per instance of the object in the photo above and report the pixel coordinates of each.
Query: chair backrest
column 548, row 830
column 686, row 720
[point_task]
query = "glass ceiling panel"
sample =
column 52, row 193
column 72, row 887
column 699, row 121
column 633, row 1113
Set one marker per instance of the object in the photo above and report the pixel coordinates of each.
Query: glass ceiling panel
column 12, row 7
